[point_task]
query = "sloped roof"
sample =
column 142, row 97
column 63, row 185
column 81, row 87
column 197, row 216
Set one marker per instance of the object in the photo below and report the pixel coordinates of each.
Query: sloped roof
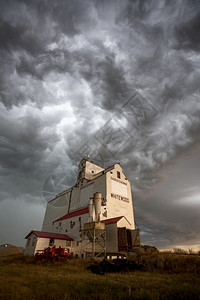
column 75, row 213
column 112, row 220
column 50, row 235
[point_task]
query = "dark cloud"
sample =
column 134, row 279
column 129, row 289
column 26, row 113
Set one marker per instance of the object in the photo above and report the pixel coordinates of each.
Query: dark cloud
column 171, row 208
column 18, row 38
column 109, row 83
column 187, row 34
column 117, row 80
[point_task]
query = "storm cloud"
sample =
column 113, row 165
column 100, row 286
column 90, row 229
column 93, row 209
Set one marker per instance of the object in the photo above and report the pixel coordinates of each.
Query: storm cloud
column 118, row 80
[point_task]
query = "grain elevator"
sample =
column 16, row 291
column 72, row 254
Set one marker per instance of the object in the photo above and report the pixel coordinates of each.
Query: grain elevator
column 93, row 218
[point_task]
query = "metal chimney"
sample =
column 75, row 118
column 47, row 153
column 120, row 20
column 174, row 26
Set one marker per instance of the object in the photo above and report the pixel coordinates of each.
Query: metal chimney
column 97, row 205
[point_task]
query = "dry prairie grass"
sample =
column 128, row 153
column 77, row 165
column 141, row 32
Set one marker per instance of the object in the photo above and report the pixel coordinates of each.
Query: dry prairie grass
column 165, row 278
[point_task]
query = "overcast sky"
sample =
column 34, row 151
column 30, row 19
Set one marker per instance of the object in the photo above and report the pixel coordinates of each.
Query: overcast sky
column 119, row 80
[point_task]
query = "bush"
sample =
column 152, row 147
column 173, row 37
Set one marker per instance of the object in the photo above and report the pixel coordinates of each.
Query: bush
column 170, row 263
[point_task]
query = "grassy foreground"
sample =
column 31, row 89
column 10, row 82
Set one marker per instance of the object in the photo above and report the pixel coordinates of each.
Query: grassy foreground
column 165, row 277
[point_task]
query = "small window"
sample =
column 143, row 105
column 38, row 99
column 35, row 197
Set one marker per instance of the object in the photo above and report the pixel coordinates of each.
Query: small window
column 68, row 243
column 92, row 172
column 28, row 241
column 34, row 241
column 51, row 242
column 59, row 223
column 118, row 174
column 72, row 224
column 77, row 243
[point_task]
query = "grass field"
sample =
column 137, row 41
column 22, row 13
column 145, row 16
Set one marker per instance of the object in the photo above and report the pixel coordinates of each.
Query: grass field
column 166, row 276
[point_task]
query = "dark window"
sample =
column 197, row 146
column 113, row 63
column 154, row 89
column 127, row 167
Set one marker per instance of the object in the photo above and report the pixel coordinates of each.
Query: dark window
column 118, row 174
column 34, row 241
column 28, row 241
column 51, row 242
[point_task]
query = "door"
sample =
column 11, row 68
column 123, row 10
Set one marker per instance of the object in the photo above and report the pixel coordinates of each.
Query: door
column 122, row 239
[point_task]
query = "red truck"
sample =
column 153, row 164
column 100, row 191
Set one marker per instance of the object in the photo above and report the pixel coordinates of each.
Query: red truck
column 53, row 253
